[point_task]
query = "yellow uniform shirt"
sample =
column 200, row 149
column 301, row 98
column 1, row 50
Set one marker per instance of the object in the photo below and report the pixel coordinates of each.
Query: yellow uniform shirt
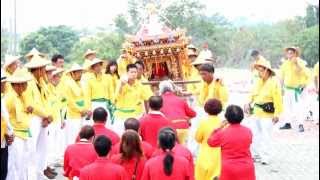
column 130, row 100
column 55, row 102
column 213, row 90
column 75, row 99
column 98, row 87
column 194, row 76
column 3, row 128
column 208, row 159
column 264, row 92
column 122, row 65
column 36, row 96
column 291, row 76
column 114, row 81
column 147, row 88
column 19, row 118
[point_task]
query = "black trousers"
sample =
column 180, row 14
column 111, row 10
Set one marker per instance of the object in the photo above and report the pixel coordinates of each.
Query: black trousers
column 4, row 163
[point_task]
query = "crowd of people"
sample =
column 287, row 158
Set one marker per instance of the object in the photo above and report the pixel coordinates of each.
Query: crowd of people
column 99, row 121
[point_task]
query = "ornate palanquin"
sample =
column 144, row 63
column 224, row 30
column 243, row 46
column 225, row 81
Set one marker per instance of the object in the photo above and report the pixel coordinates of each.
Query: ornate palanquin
column 163, row 50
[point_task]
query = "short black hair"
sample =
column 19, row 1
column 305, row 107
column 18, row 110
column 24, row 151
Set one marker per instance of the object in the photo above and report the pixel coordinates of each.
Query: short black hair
column 132, row 123
column 131, row 66
column 254, row 53
column 55, row 58
column 100, row 115
column 102, row 145
column 213, row 107
column 140, row 62
column 234, row 114
column 155, row 102
column 207, row 67
column 86, row 132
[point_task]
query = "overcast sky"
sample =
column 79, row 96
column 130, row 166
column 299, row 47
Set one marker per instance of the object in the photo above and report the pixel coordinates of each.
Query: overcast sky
column 32, row 14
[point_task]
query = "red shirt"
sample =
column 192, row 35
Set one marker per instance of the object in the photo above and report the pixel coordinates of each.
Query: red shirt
column 237, row 163
column 150, row 124
column 154, row 170
column 180, row 150
column 130, row 165
column 100, row 129
column 103, row 169
column 76, row 157
column 146, row 148
column 175, row 108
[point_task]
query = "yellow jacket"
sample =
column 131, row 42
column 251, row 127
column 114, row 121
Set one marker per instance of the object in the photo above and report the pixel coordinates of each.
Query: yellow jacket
column 55, row 102
column 147, row 88
column 215, row 89
column 291, row 76
column 264, row 92
column 209, row 159
column 122, row 65
column 194, row 76
column 130, row 100
column 98, row 87
column 114, row 81
column 75, row 99
column 38, row 98
column 3, row 128
column 19, row 118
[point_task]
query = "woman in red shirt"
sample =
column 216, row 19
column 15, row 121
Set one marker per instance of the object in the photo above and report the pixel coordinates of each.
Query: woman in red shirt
column 131, row 155
column 167, row 166
column 234, row 140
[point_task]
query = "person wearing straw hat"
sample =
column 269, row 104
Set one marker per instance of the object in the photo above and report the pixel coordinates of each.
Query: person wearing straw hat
column 38, row 98
column 20, row 119
column 88, row 56
column 7, row 136
column 49, row 70
column 266, row 98
column 56, row 128
column 33, row 52
column 77, row 109
column 98, row 88
column 294, row 77
column 256, row 57
column 11, row 63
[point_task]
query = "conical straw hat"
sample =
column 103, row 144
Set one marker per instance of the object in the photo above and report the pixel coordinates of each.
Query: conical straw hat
column 9, row 59
column 36, row 62
column 19, row 76
column 265, row 64
column 88, row 52
column 75, row 67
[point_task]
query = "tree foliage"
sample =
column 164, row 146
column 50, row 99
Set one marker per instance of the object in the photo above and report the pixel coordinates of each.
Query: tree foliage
column 107, row 46
column 50, row 40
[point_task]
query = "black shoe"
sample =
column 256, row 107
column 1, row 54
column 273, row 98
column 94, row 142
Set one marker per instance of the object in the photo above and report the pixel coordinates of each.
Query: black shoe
column 301, row 129
column 48, row 174
column 286, row 126
column 52, row 171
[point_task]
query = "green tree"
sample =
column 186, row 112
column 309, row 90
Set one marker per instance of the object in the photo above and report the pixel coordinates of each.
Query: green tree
column 50, row 40
column 107, row 45
column 312, row 15
column 308, row 41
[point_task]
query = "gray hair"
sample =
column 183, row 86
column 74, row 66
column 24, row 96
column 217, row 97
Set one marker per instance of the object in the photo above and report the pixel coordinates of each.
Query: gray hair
column 165, row 86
